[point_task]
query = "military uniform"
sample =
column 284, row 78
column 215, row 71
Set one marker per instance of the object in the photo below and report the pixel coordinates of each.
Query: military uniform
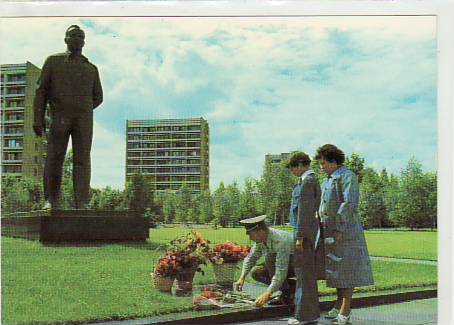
column 278, row 268
column 70, row 84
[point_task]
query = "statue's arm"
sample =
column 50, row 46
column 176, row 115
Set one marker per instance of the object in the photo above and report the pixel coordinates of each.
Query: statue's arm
column 97, row 91
column 42, row 95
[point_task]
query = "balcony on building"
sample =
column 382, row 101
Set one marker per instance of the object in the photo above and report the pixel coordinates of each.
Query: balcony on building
column 15, row 95
column 11, row 162
column 16, row 134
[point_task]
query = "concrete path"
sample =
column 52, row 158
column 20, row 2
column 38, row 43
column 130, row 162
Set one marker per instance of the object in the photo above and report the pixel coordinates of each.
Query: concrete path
column 416, row 312
column 403, row 260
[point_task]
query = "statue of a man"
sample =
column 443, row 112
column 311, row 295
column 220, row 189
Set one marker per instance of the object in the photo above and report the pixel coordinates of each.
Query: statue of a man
column 70, row 84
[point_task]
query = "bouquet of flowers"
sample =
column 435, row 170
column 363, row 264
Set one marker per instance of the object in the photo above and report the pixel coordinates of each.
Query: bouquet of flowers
column 215, row 299
column 229, row 252
column 166, row 267
column 188, row 251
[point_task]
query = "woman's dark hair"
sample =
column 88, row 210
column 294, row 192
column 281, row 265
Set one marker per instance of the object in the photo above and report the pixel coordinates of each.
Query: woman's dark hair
column 330, row 153
column 298, row 158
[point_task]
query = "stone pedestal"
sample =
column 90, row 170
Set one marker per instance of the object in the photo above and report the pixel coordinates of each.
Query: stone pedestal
column 56, row 226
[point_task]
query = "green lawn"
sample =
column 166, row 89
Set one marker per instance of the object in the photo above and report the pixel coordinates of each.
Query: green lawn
column 42, row 284
column 403, row 244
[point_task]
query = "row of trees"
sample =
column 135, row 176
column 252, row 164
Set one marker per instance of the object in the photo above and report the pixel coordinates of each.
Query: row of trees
column 386, row 200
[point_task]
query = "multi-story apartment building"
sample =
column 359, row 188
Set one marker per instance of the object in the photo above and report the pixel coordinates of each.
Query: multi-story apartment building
column 22, row 151
column 277, row 158
column 169, row 152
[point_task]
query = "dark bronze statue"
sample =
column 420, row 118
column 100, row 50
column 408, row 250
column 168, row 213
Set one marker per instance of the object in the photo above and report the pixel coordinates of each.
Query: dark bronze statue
column 70, row 84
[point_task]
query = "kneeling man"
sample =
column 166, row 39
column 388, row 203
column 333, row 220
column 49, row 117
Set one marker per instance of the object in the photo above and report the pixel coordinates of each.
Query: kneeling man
column 277, row 246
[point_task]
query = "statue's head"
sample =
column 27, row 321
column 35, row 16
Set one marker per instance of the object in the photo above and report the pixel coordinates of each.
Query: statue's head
column 74, row 38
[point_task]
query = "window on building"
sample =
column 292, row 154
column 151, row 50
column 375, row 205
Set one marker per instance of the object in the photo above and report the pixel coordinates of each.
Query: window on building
column 13, row 143
column 12, row 169
column 17, row 77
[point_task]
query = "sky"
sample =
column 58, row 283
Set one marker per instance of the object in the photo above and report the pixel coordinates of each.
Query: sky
column 265, row 85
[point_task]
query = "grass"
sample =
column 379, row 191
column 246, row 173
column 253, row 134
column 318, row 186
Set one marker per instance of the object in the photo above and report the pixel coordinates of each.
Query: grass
column 399, row 244
column 403, row 244
column 43, row 284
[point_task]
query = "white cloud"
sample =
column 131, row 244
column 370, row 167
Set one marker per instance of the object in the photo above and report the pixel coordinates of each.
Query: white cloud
column 108, row 157
column 266, row 85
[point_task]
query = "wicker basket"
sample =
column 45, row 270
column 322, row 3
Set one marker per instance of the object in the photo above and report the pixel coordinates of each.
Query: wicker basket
column 162, row 283
column 225, row 273
column 185, row 278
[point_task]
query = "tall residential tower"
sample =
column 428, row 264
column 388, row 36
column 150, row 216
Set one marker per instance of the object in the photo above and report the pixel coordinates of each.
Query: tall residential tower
column 169, row 152
column 22, row 151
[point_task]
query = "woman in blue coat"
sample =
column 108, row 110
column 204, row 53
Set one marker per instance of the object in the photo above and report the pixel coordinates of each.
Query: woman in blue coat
column 347, row 260
column 304, row 205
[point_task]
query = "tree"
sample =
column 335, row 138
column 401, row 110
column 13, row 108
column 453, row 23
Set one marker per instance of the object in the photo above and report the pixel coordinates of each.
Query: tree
column 430, row 184
column 392, row 193
column 233, row 196
column 372, row 204
column 138, row 194
column 158, row 201
column 110, row 199
column 221, row 208
column 356, row 164
column 275, row 189
column 416, row 204
column 67, row 185
column 14, row 195
column 205, row 207
column 248, row 204
column 182, row 203
column 168, row 207
column 21, row 194
column 194, row 209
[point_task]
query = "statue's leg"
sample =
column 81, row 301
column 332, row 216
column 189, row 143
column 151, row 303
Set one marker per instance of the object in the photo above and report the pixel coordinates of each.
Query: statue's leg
column 56, row 150
column 82, row 135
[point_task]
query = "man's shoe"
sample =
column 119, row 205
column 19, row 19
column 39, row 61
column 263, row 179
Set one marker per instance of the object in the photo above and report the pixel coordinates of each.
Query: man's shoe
column 276, row 301
column 342, row 320
column 332, row 313
column 281, row 300
column 294, row 321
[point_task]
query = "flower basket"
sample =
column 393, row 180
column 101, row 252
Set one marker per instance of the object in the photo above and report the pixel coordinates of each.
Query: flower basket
column 225, row 273
column 183, row 257
column 185, row 279
column 226, row 258
column 162, row 283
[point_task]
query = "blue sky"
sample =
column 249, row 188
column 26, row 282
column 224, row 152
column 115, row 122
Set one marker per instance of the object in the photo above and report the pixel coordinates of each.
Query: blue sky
column 265, row 85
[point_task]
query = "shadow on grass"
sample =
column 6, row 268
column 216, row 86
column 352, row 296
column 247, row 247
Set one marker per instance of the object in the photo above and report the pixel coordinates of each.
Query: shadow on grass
column 142, row 245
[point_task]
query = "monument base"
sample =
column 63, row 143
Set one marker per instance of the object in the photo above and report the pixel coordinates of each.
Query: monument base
column 57, row 226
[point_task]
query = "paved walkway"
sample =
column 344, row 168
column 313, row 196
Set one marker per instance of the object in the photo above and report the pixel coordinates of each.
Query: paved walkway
column 403, row 260
column 416, row 312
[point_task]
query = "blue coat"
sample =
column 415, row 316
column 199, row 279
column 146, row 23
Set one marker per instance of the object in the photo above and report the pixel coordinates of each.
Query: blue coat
column 305, row 203
column 347, row 262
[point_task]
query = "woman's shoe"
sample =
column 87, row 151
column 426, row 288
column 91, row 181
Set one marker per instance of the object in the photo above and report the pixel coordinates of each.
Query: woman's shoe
column 332, row 313
column 342, row 320
column 294, row 321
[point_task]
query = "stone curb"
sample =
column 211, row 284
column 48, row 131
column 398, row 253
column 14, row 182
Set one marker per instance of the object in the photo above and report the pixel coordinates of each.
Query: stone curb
column 276, row 311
